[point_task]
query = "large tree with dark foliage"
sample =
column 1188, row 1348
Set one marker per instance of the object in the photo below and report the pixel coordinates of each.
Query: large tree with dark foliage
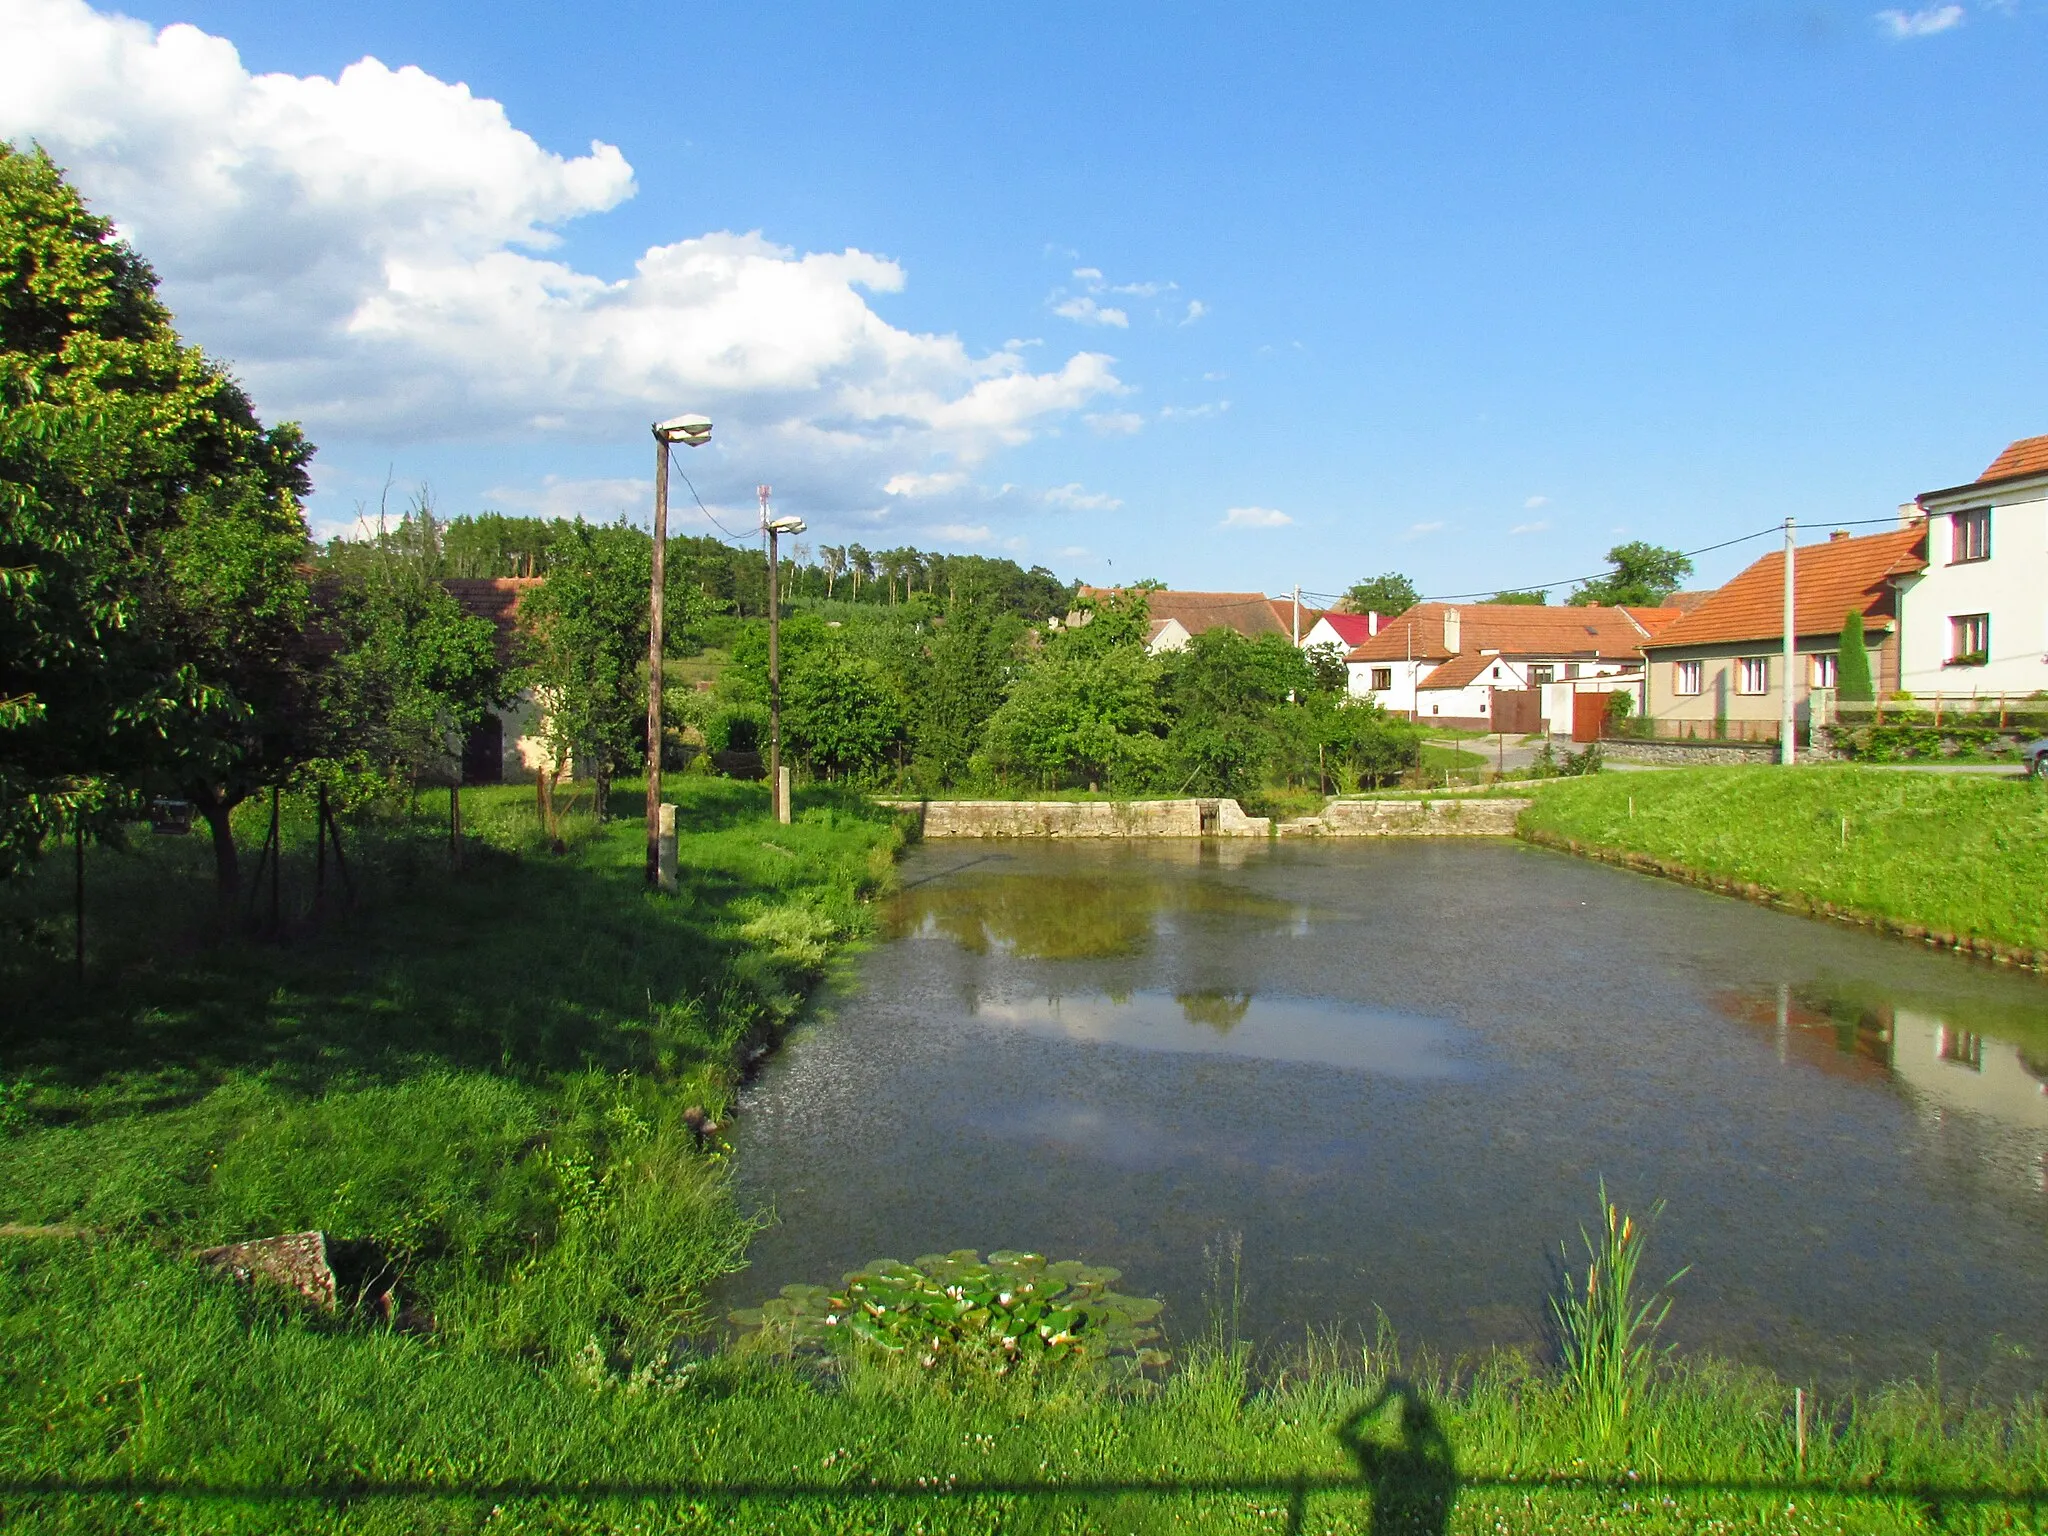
column 1643, row 576
column 153, row 593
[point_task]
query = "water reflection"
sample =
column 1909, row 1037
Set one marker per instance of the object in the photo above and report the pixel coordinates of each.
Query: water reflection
column 1951, row 1061
column 1091, row 915
column 1267, row 1029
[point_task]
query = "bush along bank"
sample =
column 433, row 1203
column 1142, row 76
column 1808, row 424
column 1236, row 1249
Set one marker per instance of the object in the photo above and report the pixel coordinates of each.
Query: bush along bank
column 1959, row 862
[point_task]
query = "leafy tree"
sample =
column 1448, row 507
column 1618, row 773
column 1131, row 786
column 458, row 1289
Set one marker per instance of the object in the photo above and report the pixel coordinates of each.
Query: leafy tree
column 415, row 675
column 153, row 601
column 1076, row 717
column 1643, row 576
column 1532, row 599
column 1391, row 593
column 1372, row 744
column 959, row 686
column 1327, row 665
column 839, row 715
column 1853, row 683
column 583, row 639
column 1224, row 692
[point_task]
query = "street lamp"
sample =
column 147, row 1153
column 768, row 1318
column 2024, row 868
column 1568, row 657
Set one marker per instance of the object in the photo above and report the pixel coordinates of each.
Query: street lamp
column 692, row 432
column 774, row 527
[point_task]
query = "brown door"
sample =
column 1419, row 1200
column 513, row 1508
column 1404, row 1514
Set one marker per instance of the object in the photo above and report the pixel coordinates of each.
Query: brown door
column 1517, row 711
column 1589, row 716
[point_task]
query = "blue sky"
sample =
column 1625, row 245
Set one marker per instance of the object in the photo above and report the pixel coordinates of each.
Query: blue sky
column 1471, row 292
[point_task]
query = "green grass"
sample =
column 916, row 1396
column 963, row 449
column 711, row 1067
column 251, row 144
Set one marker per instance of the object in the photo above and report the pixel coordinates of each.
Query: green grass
column 483, row 1073
column 1959, row 853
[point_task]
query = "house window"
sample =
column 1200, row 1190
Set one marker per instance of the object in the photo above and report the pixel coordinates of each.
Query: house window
column 1972, row 535
column 1827, row 667
column 1541, row 672
column 1496, row 674
column 1382, row 678
column 1571, row 670
column 1436, row 709
column 1755, row 675
column 1969, row 640
column 1686, row 676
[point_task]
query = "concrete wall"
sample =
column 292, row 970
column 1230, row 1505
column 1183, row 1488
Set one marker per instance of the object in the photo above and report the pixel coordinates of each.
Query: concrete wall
column 1450, row 817
column 1084, row 818
column 2011, row 586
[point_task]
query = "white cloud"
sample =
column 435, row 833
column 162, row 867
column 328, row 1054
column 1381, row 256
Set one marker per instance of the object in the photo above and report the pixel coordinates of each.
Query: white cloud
column 1086, row 311
column 1422, row 530
column 1116, row 423
column 1196, row 309
column 910, row 483
column 964, row 533
column 594, row 500
column 1538, row 527
column 1921, row 23
column 1075, row 552
column 1534, row 502
column 367, row 252
column 1076, row 499
column 1255, row 517
column 1193, row 412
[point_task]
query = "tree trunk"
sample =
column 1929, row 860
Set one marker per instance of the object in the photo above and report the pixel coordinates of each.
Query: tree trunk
column 603, row 775
column 227, row 862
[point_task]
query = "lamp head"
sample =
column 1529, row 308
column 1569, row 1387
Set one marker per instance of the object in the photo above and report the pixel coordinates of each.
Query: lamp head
column 691, row 431
column 787, row 525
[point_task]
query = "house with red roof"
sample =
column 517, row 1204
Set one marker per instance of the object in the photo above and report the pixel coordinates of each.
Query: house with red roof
column 1447, row 663
column 1974, row 618
column 1719, row 670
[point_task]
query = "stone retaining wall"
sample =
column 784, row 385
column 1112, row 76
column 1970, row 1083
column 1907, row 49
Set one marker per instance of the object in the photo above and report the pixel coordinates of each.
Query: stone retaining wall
column 1691, row 754
column 1084, row 818
column 1410, row 818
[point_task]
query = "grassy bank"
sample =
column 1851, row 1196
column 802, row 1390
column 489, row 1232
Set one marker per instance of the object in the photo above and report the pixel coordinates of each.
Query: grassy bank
column 1959, row 854
column 482, row 1073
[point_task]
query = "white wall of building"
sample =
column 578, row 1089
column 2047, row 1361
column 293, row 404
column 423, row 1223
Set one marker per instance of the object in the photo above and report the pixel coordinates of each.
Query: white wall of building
column 2011, row 586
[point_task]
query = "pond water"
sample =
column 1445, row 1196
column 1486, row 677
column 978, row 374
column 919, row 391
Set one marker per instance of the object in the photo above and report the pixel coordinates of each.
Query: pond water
column 1397, row 1070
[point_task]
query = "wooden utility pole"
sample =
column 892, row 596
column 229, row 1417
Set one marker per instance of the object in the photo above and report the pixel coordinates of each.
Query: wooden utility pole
column 654, row 641
column 774, row 666
column 1788, row 751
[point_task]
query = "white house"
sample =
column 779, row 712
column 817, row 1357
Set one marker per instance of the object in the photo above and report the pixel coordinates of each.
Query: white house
column 1343, row 630
column 1444, row 663
column 1975, row 621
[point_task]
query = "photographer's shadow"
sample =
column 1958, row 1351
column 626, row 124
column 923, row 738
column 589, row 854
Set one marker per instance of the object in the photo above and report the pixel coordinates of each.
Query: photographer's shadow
column 1414, row 1482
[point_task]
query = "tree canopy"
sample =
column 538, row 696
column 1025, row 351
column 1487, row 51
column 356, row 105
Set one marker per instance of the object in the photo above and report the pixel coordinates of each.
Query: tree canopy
column 1642, row 577
column 1390, row 593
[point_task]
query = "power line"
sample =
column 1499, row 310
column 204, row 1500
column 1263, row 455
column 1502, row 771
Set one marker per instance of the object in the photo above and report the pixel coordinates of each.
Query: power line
column 735, row 539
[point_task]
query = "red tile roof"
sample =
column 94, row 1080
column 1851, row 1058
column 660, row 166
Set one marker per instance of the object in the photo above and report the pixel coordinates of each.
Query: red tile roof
column 2028, row 456
column 1352, row 628
column 496, row 598
column 1459, row 670
column 1515, row 629
column 1828, row 580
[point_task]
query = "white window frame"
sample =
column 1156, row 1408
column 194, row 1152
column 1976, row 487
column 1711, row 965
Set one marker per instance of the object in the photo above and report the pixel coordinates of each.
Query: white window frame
column 1750, row 669
column 1825, row 669
column 1688, row 678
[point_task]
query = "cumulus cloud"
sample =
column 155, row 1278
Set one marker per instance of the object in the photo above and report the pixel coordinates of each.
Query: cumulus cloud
column 1116, row 423
column 599, row 500
column 1196, row 309
column 911, row 483
column 963, row 533
column 1074, row 498
column 1925, row 22
column 1083, row 308
column 370, row 253
column 1255, row 517
column 1538, row 527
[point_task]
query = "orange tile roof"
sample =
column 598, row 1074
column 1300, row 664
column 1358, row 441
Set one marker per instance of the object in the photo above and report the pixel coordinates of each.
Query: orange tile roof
column 1459, row 670
column 1249, row 613
column 1515, row 629
column 2028, row 456
column 1283, row 610
column 1828, row 580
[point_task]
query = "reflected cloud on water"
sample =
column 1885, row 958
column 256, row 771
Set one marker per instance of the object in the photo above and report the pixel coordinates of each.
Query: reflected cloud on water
column 1268, row 1029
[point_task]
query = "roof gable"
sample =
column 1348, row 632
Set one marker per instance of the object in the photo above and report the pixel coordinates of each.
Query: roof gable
column 1828, row 580
column 1515, row 629
column 1249, row 613
column 2028, row 456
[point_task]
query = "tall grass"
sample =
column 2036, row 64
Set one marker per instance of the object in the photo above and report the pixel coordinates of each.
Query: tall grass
column 1606, row 1336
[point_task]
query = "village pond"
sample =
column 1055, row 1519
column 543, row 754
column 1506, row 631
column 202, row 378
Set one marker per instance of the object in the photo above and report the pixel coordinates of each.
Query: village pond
column 1397, row 1070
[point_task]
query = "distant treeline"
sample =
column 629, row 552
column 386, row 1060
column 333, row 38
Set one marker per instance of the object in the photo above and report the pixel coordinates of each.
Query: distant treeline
column 733, row 578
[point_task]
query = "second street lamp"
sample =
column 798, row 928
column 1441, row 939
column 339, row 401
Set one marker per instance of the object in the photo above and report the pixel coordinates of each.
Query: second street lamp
column 774, row 528
column 692, row 432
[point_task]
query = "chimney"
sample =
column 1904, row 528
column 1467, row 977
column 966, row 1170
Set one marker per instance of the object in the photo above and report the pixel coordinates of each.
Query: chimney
column 1372, row 624
column 1451, row 627
column 1838, row 535
column 1910, row 513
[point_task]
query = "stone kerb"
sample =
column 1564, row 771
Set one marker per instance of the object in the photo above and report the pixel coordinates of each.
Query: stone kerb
column 1081, row 818
column 1410, row 818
